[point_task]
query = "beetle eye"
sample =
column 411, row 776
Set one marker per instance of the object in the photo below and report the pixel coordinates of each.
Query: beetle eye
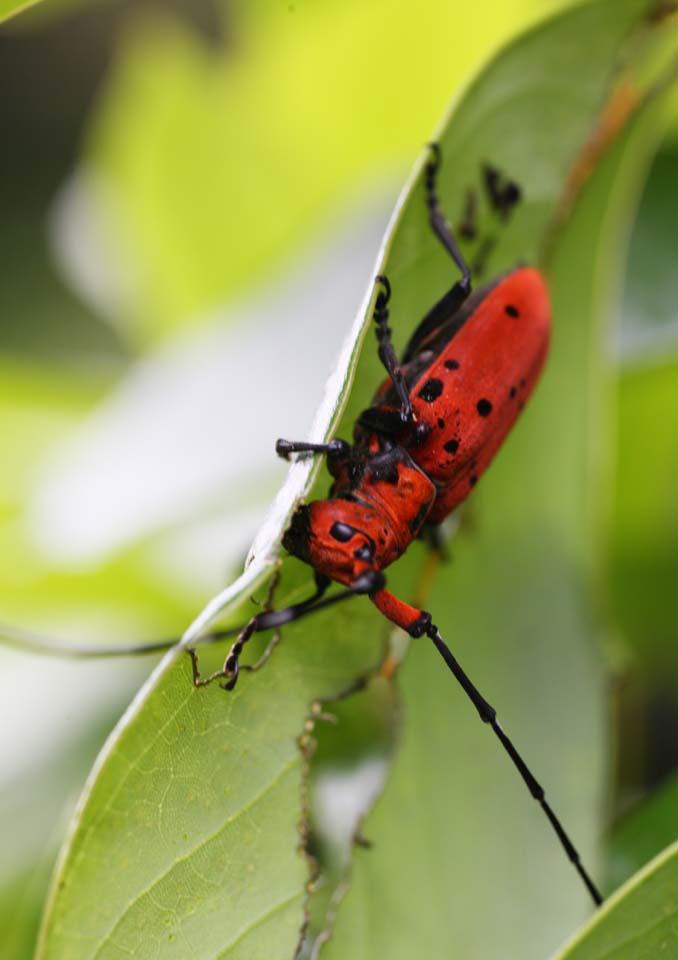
column 342, row 532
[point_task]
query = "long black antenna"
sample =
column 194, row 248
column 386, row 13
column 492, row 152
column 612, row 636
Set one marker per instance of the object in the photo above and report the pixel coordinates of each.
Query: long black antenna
column 32, row 642
column 28, row 640
column 488, row 715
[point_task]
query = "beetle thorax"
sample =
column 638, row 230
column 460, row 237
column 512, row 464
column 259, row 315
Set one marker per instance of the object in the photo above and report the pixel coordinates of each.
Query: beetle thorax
column 364, row 526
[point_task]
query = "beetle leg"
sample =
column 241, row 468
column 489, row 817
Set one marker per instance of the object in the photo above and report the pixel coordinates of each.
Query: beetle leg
column 486, row 247
column 367, row 582
column 502, row 192
column 468, row 225
column 451, row 301
column 260, row 621
column 432, row 536
column 387, row 354
column 440, row 226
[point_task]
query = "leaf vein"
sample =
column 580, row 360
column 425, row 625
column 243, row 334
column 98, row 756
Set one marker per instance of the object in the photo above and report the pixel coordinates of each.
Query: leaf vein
column 285, row 769
column 262, row 918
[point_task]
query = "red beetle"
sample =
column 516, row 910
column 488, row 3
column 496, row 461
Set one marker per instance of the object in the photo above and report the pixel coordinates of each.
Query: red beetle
column 434, row 425
column 433, row 428
column 467, row 382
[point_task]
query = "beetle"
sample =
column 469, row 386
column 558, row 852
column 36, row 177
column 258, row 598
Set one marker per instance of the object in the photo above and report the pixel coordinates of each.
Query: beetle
column 431, row 431
column 434, row 425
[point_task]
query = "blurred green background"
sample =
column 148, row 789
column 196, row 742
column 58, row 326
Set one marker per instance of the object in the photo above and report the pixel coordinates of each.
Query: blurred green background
column 186, row 187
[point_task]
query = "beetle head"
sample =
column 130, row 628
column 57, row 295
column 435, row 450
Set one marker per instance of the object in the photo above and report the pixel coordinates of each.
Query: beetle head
column 331, row 536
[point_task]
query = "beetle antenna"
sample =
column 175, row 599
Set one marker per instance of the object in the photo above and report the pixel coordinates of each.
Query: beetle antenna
column 488, row 715
column 30, row 641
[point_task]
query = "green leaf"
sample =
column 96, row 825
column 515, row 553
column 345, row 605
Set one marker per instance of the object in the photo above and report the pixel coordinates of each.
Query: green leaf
column 643, row 545
column 190, row 824
column 220, row 164
column 638, row 922
column 643, row 833
column 191, row 817
column 461, row 854
column 644, row 528
column 650, row 310
column 186, row 840
column 644, row 540
column 9, row 8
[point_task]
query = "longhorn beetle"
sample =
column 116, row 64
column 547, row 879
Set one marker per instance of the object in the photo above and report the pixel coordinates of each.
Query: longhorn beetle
column 433, row 428
column 431, row 431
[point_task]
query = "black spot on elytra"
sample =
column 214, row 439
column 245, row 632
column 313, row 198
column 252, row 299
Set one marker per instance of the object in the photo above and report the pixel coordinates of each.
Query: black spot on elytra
column 473, row 480
column 512, row 392
column 441, row 423
column 511, row 310
column 421, row 431
column 452, row 364
column 484, row 407
column 431, row 390
column 451, row 446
